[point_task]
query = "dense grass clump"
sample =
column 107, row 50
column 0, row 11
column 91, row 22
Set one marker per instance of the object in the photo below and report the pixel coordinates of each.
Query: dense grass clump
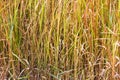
column 59, row 39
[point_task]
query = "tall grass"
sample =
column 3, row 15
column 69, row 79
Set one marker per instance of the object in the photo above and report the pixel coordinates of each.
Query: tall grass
column 59, row 39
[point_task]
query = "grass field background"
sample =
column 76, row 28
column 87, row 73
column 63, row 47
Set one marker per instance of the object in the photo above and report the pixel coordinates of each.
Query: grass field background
column 60, row 39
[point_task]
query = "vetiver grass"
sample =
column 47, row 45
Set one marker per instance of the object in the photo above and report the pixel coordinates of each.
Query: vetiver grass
column 59, row 39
